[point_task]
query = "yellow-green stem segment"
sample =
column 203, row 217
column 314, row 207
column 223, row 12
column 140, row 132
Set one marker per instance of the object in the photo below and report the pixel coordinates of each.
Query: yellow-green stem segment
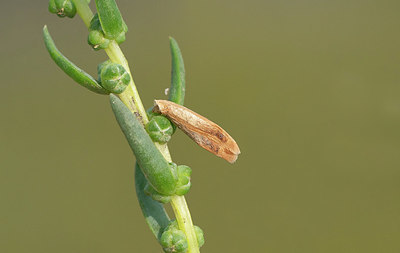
column 130, row 97
column 182, row 215
column 84, row 11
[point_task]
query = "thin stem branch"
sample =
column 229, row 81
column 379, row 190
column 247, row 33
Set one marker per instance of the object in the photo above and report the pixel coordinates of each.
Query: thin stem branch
column 130, row 97
column 182, row 215
column 84, row 11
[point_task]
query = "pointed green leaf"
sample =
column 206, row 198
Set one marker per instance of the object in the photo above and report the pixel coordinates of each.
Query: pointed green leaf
column 79, row 76
column 154, row 213
column 177, row 90
column 160, row 174
column 110, row 18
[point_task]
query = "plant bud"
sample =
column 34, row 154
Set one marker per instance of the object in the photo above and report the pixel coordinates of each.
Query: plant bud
column 63, row 8
column 199, row 235
column 114, row 78
column 150, row 113
column 173, row 239
column 184, row 184
column 160, row 129
column 52, row 7
column 96, row 36
column 97, row 41
column 100, row 67
column 149, row 190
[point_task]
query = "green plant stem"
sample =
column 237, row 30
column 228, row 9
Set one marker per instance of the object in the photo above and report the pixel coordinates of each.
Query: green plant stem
column 130, row 97
column 182, row 215
column 84, row 11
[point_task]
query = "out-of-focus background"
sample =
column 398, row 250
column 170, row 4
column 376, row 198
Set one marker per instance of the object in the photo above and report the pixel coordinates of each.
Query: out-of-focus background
column 309, row 89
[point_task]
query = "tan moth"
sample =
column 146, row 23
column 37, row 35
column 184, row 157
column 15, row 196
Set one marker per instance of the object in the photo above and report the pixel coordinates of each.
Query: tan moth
column 203, row 131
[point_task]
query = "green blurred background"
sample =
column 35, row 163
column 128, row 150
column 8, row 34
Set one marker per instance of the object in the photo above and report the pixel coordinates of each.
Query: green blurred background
column 309, row 89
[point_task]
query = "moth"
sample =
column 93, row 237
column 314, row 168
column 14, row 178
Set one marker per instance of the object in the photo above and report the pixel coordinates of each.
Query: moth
column 203, row 131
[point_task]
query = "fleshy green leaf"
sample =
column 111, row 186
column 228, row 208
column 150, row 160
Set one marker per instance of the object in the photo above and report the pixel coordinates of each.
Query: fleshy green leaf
column 110, row 18
column 154, row 213
column 160, row 174
column 177, row 90
column 79, row 76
